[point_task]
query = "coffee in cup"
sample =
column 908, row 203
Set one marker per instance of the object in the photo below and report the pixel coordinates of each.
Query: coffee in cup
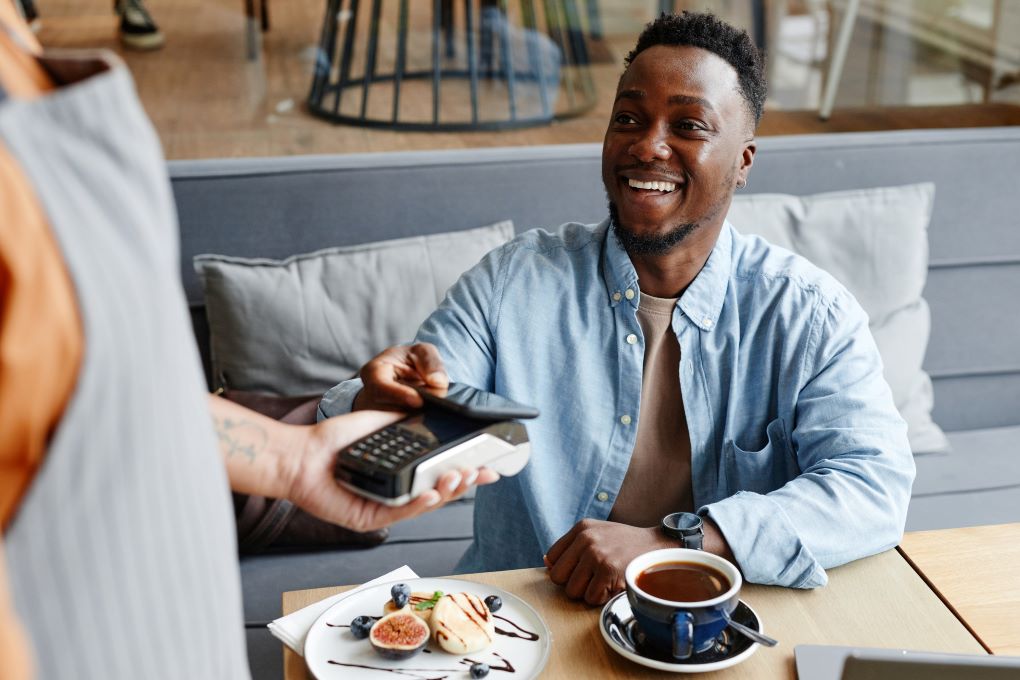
column 682, row 599
column 683, row 581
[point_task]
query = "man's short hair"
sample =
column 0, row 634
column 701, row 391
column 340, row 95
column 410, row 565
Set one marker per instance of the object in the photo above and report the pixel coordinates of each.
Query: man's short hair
column 710, row 33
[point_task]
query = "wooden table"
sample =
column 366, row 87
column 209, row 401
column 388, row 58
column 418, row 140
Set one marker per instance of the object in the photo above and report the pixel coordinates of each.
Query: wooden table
column 876, row 602
column 976, row 572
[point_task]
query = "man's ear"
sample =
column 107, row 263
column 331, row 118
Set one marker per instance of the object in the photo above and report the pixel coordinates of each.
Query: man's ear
column 746, row 161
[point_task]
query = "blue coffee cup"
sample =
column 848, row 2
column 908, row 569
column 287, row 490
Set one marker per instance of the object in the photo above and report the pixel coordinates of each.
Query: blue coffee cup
column 681, row 627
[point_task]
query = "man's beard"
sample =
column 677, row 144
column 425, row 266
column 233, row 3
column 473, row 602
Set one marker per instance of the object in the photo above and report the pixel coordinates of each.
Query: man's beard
column 638, row 244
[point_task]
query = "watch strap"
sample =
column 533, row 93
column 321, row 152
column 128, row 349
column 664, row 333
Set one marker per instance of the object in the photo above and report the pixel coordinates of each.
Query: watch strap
column 694, row 541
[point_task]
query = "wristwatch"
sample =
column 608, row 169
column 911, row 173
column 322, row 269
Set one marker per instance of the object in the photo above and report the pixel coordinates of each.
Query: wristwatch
column 686, row 527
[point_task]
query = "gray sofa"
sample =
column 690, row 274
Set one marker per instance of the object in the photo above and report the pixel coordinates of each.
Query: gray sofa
column 277, row 207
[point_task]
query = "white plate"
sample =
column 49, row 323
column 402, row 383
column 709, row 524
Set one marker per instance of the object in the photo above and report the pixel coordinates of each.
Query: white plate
column 737, row 650
column 332, row 653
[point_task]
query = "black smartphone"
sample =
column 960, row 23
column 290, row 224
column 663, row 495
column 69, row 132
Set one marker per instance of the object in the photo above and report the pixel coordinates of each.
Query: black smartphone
column 478, row 404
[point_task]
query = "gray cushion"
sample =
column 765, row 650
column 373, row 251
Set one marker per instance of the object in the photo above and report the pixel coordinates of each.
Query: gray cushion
column 430, row 544
column 264, row 578
column 301, row 325
column 977, row 483
column 875, row 242
column 980, row 460
column 265, row 654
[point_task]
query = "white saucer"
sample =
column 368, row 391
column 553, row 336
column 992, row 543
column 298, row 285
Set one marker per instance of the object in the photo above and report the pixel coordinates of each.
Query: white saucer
column 617, row 625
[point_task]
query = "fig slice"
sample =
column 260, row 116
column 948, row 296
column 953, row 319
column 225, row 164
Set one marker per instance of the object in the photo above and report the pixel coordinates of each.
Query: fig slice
column 399, row 635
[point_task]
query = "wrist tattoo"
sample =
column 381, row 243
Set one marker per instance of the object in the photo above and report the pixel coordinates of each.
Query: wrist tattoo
column 240, row 437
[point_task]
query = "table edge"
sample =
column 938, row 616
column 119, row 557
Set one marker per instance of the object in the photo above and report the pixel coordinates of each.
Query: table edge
column 943, row 599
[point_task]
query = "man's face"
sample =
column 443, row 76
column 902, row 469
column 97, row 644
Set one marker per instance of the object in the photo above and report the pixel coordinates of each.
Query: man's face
column 678, row 141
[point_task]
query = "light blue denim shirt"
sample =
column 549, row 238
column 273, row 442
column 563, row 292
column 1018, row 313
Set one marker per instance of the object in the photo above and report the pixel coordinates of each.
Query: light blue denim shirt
column 798, row 453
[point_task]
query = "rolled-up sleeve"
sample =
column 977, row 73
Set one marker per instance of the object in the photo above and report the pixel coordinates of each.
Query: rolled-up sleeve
column 856, row 468
column 339, row 399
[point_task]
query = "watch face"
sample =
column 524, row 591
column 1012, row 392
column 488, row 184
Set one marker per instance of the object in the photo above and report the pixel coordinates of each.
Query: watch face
column 683, row 521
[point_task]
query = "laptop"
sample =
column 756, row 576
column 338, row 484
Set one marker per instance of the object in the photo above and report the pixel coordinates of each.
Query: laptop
column 833, row 662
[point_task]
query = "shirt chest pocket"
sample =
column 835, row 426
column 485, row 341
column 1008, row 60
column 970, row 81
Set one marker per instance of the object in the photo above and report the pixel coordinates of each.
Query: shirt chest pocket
column 763, row 470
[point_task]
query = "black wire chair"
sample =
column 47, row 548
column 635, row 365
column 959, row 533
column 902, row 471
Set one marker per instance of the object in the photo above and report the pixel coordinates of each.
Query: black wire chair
column 508, row 65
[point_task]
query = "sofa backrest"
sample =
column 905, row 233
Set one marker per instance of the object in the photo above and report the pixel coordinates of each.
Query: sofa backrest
column 282, row 206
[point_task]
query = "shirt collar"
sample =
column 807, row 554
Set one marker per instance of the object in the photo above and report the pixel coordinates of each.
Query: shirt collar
column 702, row 301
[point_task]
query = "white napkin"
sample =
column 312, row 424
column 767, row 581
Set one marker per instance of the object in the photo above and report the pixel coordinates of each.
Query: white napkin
column 293, row 628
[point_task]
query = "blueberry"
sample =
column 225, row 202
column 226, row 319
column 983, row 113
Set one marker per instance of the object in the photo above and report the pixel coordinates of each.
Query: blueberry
column 493, row 603
column 400, row 593
column 479, row 670
column 360, row 626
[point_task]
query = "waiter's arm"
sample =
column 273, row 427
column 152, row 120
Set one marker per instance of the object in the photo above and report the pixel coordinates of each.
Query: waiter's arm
column 21, row 76
column 265, row 457
column 14, row 648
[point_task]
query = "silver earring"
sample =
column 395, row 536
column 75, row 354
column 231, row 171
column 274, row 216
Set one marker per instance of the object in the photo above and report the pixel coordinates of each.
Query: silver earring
column 741, row 183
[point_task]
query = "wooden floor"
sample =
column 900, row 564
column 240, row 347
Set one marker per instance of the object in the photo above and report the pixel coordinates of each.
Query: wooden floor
column 207, row 99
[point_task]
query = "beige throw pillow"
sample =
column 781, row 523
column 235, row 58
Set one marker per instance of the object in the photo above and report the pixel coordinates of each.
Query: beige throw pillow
column 301, row 325
column 875, row 242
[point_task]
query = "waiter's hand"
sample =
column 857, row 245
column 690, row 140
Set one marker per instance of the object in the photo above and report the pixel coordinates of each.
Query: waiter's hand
column 388, row 375
column 590, row 559
column 313, row 489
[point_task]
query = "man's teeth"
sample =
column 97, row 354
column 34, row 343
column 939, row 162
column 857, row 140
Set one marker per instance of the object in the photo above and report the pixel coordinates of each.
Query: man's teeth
column 652, row 186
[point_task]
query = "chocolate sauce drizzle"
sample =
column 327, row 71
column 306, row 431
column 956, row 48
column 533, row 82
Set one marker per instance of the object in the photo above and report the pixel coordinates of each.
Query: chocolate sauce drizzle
column 504, row 667
column 507, row 667
column 409, row 672
column 524, row 634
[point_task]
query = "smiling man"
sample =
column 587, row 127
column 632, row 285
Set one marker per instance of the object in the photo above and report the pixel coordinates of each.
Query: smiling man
column 679, row 366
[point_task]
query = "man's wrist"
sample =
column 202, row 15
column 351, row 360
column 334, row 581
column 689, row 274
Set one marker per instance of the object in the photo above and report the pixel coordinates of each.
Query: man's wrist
column 662, row 540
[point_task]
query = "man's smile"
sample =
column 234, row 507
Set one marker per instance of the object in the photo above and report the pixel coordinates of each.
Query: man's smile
column 664, row 187
column 648, row 189
column 649, row 182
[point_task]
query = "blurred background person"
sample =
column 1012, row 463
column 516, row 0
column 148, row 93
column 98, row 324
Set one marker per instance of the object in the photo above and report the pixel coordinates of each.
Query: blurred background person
column 136, row 28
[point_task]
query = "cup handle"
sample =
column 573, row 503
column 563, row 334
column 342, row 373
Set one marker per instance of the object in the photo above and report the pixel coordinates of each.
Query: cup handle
column 683, row 635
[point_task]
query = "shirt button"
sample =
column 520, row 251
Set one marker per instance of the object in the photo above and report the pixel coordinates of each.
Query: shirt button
column 629, row 294
column 631, row 339
column 602, row 496
column 617, row 296
column 625, row 419
column 708, row 322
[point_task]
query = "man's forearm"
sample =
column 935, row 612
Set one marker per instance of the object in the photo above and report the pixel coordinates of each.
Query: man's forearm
column 257, row 451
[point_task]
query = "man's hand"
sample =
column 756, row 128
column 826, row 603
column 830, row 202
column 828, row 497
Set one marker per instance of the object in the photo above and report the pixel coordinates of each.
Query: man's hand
column 387, row 376
column 590, row 559
column 313, row 488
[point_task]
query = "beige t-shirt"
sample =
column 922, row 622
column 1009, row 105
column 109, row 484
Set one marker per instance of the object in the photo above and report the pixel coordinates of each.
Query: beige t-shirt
column 658, row 480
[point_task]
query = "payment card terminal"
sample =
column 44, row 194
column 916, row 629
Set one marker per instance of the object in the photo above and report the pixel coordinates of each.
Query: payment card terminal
column 465, row 428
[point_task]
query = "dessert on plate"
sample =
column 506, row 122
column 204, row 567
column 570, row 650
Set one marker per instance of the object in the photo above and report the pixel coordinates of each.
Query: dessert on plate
column 461, row 623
